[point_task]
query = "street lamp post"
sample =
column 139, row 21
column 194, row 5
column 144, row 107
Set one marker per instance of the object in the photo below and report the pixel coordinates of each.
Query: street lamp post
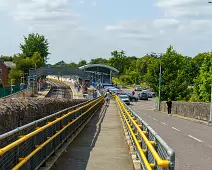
column 160, row 79
column 159, row 85
column 210, row 121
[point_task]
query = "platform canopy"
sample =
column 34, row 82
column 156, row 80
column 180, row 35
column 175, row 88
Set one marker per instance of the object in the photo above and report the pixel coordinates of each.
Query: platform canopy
column 101, row 68
column 100, row 72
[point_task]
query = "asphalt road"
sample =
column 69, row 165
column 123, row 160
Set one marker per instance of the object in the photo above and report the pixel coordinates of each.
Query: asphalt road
column 192, row 142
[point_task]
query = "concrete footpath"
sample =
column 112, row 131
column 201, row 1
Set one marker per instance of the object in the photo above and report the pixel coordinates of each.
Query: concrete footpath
column 100, row 145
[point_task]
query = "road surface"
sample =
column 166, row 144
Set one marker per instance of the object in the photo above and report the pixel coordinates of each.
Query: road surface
column 192, row 142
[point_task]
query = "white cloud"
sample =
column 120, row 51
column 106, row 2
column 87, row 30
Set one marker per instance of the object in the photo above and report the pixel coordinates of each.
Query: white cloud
column 186, row 8
column 93, row 3
column 40, row 12
column 186, row 24
column 161, row 23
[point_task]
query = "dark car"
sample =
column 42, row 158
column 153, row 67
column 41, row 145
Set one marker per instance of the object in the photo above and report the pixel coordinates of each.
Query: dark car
column 143, row 96
column 132, row 98
column 149, row 93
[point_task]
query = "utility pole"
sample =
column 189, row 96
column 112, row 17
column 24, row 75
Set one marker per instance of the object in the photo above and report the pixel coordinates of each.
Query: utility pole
column 160, row 85
column 210, row 121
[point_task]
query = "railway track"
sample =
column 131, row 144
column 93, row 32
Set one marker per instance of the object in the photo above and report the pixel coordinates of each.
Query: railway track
column 59, row 90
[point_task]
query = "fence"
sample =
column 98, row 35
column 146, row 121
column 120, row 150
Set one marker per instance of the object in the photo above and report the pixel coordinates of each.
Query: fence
column 7, row 91
column 152, row 152
column 31, row 146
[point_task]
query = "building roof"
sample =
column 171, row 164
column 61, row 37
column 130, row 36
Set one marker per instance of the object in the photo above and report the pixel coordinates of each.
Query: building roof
column 99, row 68
column 9, row 64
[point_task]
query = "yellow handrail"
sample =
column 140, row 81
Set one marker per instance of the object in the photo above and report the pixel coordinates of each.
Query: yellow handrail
column 147, row 164
column 26, row 159
column 28, row 136
column 162, row 163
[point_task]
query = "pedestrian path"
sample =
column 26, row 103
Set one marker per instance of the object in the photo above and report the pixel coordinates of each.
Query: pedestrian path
column 101, row 145
column 42, row 94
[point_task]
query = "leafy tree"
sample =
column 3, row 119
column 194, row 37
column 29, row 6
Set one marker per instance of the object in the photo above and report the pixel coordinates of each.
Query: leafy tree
column 15, row 75
column 126, row 80
column 202, row 88
column 99, row 61
column 72, row 65
column 118, row 61
column 23, row 64
column 35, row 43
column 6, row 58
column 174, row 81
column 82, row 63
column 142, row 65
column 61, row 64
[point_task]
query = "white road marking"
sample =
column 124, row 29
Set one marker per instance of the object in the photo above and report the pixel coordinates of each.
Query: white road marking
column 195, row 138
column 155, row 119
column 163, row 123
column 149, row 116
column 176, row 129
column 144, row 114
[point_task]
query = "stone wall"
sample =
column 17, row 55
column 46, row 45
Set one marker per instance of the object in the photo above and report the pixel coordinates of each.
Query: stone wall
column 196, row 110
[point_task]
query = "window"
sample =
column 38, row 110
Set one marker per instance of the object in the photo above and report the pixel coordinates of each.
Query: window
column 0, row 71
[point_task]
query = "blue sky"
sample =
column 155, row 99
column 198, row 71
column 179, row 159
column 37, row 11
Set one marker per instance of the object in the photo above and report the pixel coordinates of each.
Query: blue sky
column 78, row 29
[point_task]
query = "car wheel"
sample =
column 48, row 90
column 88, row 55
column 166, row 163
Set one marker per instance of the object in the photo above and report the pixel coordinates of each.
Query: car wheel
column 133, row 100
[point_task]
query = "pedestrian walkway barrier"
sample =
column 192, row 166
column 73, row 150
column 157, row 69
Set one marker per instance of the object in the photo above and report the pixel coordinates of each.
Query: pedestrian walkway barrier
column 18, row 93
column 30, row 146
column 151, row 151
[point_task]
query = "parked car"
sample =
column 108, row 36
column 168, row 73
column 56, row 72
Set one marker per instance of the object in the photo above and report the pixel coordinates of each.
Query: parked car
column 138, row 88
column 132, row 98
column 125, row 98
column 153, row 94
column 143, row 96
column 120, row 93
column 114, row 90
column 149, row 93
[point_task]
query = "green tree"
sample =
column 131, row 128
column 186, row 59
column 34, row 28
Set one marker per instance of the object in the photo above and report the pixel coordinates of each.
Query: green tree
column 118, row 61
column 35, row 43
column 61, row 64
column 99, row 61
column 15, row 75
column 6, row 58
column 174, row 80
column 125, row 79
column 82, row 63
column 72, row 65
column 23, row 64
column 203, row 83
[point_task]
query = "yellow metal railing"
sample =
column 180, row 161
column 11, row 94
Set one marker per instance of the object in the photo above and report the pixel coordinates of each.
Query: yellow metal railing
column 26, row 159
column 25, row 138
column 126, row 115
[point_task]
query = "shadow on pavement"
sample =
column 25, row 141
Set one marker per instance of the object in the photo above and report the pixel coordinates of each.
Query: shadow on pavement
column 78, row 153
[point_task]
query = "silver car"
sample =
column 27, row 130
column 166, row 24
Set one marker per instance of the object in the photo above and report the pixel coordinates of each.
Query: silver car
column 125, row 98
column 138, row 88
